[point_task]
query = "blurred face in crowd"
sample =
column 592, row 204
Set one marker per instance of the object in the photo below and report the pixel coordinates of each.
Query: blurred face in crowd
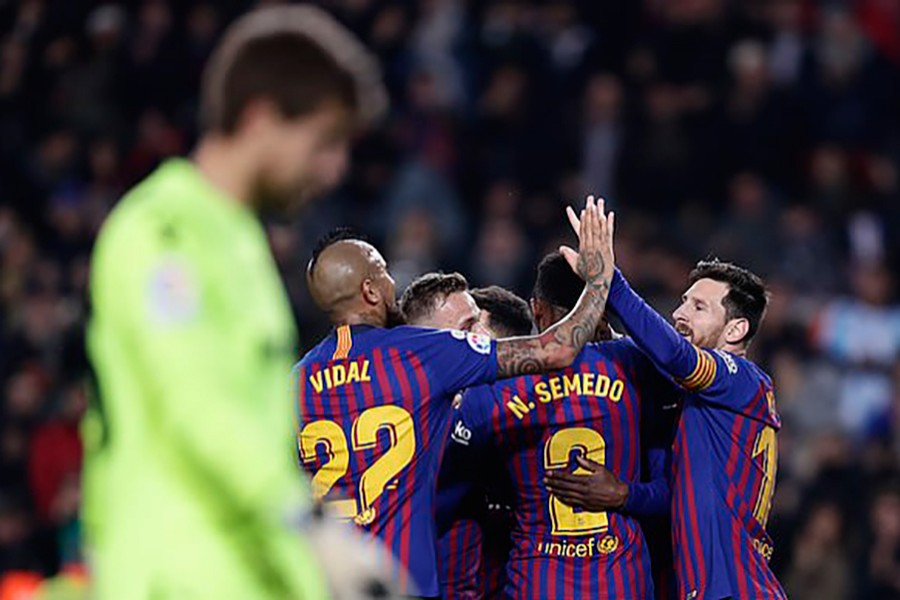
column 885, row 515
column 702, row 318
column 297, row 158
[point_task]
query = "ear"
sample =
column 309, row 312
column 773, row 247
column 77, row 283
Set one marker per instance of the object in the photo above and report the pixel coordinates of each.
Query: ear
column 370, row 292
column 736, row 331
column 537, row 309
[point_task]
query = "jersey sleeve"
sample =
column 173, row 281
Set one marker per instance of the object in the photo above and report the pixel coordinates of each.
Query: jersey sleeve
column 659, row 411
column 454, row 359
column 475, row 413
column 714, row 376
column 162, row 291
column 652, row 496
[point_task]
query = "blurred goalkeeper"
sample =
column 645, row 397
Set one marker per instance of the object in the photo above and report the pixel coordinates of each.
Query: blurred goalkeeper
column 190, row 486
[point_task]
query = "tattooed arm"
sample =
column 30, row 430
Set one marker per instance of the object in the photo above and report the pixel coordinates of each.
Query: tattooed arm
column 558, row 346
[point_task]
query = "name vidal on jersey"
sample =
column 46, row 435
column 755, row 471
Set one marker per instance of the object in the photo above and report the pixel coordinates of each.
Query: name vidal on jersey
column 336, row 375
column 556, row 388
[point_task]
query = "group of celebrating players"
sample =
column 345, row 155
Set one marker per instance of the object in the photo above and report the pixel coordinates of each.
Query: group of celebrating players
column 427, row 434
column 490, row 461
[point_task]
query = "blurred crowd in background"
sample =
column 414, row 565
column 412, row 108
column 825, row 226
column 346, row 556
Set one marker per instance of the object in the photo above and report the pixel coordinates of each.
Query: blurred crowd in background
column 766, row 132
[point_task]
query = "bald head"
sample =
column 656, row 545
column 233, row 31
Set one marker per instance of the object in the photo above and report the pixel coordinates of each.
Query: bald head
column 348, row 279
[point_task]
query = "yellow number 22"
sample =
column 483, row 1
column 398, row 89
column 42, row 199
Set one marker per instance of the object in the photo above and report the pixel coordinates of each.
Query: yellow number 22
column 380, row 475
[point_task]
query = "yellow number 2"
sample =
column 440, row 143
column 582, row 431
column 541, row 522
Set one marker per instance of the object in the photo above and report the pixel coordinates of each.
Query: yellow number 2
column 767, row 447
column 557, row 451
column 380, row 475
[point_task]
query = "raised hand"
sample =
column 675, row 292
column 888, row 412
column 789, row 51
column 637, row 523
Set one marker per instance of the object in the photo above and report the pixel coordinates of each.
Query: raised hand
column 558, row 346
column 595, row 259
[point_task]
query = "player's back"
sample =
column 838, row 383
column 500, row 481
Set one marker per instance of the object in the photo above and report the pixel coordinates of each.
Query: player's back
column 725, row 463
column 540, row 422
column 375, row 411
column 177, row 270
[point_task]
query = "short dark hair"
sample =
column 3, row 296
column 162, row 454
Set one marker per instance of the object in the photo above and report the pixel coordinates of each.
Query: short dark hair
column 421, row 296
column 556, row 283
column 299, row 57
column 747, row 297
column 509, row 315
column 338, row 234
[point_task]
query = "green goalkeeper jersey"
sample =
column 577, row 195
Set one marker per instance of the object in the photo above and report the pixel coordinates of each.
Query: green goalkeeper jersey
column 189, row 475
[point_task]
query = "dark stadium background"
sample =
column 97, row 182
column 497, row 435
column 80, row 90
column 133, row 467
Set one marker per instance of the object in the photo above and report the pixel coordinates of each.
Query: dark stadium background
column 761, row 131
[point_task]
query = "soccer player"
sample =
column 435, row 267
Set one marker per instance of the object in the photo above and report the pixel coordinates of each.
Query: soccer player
column 189, row 481
column 725, row 448
column 592, row 410
column 472, row 521
column 375, row 403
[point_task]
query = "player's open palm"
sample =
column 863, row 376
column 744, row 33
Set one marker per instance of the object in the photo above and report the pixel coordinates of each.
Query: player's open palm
column 595, row 259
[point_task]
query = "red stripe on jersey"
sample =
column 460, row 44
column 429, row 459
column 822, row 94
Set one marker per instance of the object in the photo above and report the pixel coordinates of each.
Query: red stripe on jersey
column 639, row 567
column 630, row 444
column 424, row 392
column 618, row 579
column 390, row 528
column 692, row 519
column 406, row 517
column 741, row 575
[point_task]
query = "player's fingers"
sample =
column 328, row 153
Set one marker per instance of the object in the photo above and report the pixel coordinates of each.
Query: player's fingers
column 611, row 225
column 588, row 464
column 571, row 257
column 575, row 501
column 601, row 219
column 566, row 482
column 574, row 221
column 588, row 223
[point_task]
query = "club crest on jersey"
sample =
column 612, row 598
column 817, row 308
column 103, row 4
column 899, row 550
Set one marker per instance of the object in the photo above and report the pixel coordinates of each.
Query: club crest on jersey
column 608, row 544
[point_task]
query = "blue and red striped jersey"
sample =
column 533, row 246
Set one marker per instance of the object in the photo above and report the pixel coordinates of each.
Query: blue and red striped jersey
column 724, row 460
column 473, row 516
column 374, row 413
column 460, row 569
column 539, row 423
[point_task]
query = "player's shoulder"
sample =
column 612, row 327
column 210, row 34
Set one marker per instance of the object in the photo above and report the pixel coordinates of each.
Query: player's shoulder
column 735, row 364
column 619, row 350
column 157, row 208
column 414, row 337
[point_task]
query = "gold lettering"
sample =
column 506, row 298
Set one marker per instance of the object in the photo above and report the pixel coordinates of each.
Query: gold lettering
column 618, row 387
column 339, row 375
column 602, row 386
column 556, row 388
column 587, row 387
column 582, row 550
column 518, row 408
column 591, row 547
column 365, row 372
column 352, row 373
column 540, row 389
column 572, row 383
column 316, row 380
column 570, row 550
column 327, row 373
column 557, row 546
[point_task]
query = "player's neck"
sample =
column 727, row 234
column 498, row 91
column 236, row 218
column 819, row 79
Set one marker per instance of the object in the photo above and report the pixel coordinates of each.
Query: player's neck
column 223, row 165
column 371, row 318
column 736, row 349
